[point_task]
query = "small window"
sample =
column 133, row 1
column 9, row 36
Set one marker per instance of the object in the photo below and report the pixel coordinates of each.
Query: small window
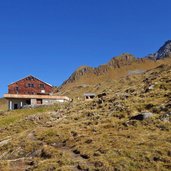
column 42, row 86
column 16, row 88
column 30, row 85
column 42, row 91
column 29, row 78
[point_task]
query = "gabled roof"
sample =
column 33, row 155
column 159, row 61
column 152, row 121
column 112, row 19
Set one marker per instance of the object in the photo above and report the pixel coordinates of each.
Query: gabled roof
column 89, row 94
column 33, row 77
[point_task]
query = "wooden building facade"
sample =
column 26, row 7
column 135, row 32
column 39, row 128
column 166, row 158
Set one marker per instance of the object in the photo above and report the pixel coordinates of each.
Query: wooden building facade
column 30, row 91
column 30, row 85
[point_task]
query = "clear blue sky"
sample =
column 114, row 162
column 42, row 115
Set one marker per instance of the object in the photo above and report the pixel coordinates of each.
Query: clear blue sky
column 51, row 38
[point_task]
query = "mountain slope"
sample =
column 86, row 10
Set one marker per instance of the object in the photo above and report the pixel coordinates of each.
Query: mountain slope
column 128, row 128
column 116, row 68
column 104, row 134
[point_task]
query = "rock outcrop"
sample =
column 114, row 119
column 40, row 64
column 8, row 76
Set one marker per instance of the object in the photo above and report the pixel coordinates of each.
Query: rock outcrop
column 118, row 67
column 164, row 51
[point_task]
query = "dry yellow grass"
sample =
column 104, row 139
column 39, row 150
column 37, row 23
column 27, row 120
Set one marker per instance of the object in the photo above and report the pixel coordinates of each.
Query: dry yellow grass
column 3, row 105
column 96, row 135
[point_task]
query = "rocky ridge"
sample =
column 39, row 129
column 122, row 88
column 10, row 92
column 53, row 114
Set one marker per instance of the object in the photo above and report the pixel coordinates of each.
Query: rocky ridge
column 164, row 51
column 86, row 74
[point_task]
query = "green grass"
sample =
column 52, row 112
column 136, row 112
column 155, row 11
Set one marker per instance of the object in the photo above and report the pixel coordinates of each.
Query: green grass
column 11, row 117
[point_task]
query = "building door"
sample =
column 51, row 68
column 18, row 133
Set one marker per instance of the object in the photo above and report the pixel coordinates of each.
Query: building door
column 28, row 102
column 15, row 106
column 39, row 101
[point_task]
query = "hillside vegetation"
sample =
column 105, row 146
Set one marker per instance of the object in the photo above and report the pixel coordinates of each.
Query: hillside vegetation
column 3, row 104
column 126, row 128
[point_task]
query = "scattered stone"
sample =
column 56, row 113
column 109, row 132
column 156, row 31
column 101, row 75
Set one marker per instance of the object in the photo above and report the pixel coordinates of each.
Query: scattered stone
column 85, row 156
column 130, row 123
column 36, row 153
column 101, row 95
column 45, row 154
column 142, row 116
column 98, row 164
column 168, row 105
column 82, row 167
column 166, row 117
column 169, row 153
column 151, row 87
column 56, row 115
column 149, row 106
column 89, row 141
column 48, row 124
column 96, row 154
column 17, row 164
column 31, row 136
column 74, row 134
column 30, row 162
column 3, row 155
column 148, row 88
column 4, row 142
column 34, row 118
column 76, row 151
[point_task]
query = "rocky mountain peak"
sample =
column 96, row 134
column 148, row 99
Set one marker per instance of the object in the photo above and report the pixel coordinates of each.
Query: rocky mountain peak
column 78, row 73
column 83, row 69
column 124, row 59
column 164, row 51
column 123, row 62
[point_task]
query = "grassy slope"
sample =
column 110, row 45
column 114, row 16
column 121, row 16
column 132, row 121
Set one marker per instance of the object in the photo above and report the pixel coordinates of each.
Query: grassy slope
column 3, row 104
column 94, row 135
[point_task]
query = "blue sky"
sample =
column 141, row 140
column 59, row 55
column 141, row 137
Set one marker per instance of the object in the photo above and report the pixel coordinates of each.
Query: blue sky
column 51, row 38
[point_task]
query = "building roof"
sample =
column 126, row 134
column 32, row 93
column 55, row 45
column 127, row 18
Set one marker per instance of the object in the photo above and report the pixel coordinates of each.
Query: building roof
column 31, row 76
column 24, row 96
column 89, row 94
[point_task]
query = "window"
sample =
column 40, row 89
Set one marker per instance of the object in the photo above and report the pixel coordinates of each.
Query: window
column 42, row 91
column 42, row 86
column 30, row 78
column 30, row 85
column 16, row 88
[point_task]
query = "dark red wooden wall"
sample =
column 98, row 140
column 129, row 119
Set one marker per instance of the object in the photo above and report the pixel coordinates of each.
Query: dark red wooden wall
column 29, row 85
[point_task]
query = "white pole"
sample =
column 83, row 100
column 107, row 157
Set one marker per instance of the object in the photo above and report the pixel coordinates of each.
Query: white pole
column 10, row 105
column 21, row 104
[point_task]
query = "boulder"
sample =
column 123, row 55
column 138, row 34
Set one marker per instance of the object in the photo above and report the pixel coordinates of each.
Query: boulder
column 166, row 117
column 4, row 142
column 142, row 116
